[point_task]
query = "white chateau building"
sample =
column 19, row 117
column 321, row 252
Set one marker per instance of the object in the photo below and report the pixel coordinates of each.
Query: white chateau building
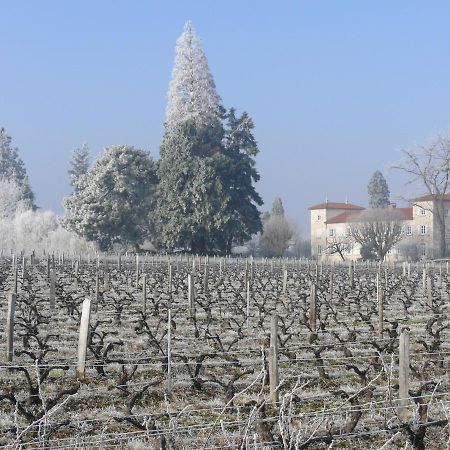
column 330, row 222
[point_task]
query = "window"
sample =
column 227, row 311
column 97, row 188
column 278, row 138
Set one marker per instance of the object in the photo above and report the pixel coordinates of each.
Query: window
column 423, row 249
column 331, row 232
column 319, row 249
column 445, row 212
column 422, row 212
column 319, row 217
column 423, row 229
column 408, row 230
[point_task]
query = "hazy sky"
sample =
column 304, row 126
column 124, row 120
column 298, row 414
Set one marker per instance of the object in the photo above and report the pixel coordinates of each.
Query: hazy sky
column 335, row 88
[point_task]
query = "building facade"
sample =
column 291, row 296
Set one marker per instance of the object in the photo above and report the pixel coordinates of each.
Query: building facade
column 331, row 221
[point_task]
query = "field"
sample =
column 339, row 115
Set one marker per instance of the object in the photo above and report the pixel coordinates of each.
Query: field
column 220, row 353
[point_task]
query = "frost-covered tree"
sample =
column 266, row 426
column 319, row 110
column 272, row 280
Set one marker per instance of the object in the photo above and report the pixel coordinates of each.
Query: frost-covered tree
column 11, row 199
column 192, row 93
column 378, row 191
column 276, row 236
column 13, row 168
column 191, row 198
column 277, row 207
column 238, row 174
column 79, row 165
column 206, row 198
column 115, row 200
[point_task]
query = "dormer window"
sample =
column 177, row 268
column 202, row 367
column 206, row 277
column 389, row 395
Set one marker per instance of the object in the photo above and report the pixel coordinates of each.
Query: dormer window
column 423, row 212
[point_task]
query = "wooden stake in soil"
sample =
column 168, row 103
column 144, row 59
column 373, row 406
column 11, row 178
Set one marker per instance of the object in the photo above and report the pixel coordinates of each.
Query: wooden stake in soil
column 380, row 312
column 429, row 292
column 205, row 279
column 10, row 326
column 144, row 294
column 15, row 280
column 285, row 278
column 273, row 360
column 403, row 375
column 248, row 302
column 52, row 289
column 169, row 352
column 351, row 274
column 312, row 308
column 191, row 296
column 83, row 337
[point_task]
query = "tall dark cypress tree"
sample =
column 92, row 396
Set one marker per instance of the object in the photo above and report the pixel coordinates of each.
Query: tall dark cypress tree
column 378, row 191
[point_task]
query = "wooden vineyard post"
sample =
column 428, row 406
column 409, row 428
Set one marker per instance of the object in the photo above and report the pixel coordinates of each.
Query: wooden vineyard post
column 119, row 262
column 409, row 270
column 169, row 352
column 24, row 270
column 273, row 360
column 137, row 271
column 248, row 303
column 403, row 375
column 312, row 308
column 10, row 326
column 191, row 296
column 380, row 311
column 97, row 291
column 83, row 337
column 331, row 284
column 424, row 279
column 351, row 274
column 48, row 268
column 15, row 281
column 169, row 284
column 429, row 292
column 285, row 278
column 205, row 279
column 144, row 294
column 52, row 288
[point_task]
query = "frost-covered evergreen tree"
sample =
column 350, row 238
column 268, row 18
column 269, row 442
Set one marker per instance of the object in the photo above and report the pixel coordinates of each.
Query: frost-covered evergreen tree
column 238, row 174
column 206, row 198
column 191, row 198
column 115, row 200
column 192, row 93
column 13, row 168
column 79, row 165
column 277, row 207
column 378, row 191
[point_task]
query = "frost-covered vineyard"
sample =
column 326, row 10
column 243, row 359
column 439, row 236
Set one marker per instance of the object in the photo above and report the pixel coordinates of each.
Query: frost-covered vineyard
column 214, row 376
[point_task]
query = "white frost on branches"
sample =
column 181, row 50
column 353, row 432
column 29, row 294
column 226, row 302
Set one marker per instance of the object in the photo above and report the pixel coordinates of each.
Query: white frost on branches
column 192, row 93
column 11, row 198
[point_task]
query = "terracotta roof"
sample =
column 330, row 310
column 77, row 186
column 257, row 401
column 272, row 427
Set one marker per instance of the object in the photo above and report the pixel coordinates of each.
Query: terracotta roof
column 343, row 217
column 347, row 216
column 407, row 212
column 430, row 197
column 335, row 205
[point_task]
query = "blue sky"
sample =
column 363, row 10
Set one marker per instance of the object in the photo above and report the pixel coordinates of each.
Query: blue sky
column 335, row 88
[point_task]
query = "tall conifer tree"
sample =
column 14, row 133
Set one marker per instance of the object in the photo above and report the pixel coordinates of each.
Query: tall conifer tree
column 378, row 191
column 192, row 93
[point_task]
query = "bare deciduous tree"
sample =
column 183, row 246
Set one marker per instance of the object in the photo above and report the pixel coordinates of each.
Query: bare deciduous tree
column 340, row 245
column 429, row 164
column 378, row 228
